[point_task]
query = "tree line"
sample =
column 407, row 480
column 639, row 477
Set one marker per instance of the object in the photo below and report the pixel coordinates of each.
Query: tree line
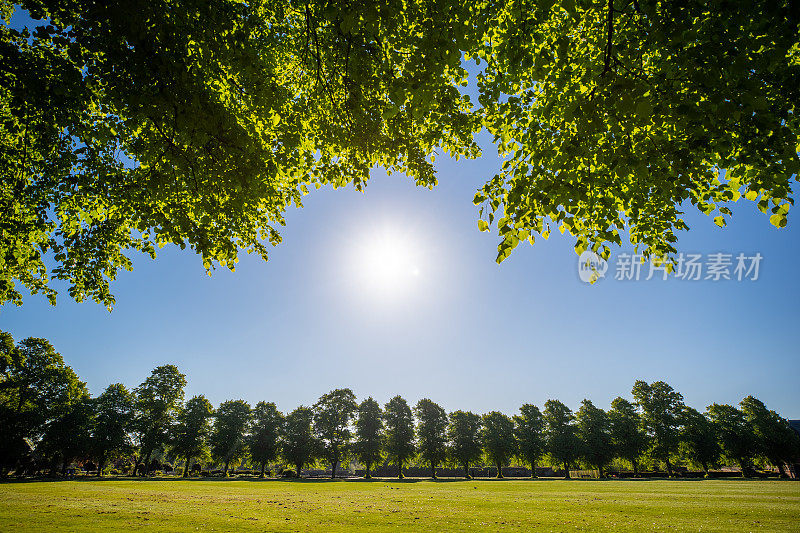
column 46, row 412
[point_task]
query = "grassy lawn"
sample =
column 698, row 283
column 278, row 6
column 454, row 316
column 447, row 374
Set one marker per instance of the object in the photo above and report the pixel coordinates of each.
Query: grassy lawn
column 417, row 505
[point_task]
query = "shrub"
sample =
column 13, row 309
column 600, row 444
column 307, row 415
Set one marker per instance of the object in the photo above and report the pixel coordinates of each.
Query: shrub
column 288, row 473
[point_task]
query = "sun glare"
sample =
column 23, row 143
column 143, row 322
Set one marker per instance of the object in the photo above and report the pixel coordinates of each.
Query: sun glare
column 388, row 262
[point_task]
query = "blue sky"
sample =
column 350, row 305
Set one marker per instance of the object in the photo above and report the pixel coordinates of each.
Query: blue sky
column 461, row 330
column 464, row 331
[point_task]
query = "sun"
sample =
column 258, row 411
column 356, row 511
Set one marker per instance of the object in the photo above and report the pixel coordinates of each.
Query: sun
column 388, row 262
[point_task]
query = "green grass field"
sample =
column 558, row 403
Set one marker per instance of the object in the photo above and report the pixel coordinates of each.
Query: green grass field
column 412, row 505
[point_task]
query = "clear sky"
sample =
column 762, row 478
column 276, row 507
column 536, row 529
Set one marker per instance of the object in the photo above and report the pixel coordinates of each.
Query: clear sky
column 395, row 291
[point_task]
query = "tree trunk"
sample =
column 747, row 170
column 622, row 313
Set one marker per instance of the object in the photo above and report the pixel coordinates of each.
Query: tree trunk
column 400, row 470
column 433, row 471
column 781, row 470
column 705, row 468
column 600, row 471
column 299, row 467
column 333, row 468
column 566, row 471
column 466, row 472
column 226, row 469
column 367, row 475
column 147, row 463
column 101, row 463
column 186, row 466
column 499, row 471
column 263, row 467
column 743, row 466
column 533, row 469
column 669, row 468
column 635, row 468
column 64, row 467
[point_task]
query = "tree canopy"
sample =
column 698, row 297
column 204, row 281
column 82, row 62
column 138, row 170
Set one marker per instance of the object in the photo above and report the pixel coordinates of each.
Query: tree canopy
column 130, row 126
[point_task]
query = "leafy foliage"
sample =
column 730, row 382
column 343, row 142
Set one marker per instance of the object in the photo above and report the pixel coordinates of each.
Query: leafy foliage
column 464, row 436
column 563, row 445
column 299, row 446
column 497, row 435
column 699, row 438
column 529, row 432
column 36, row 391
column 370, row 435
column 431, row 433
column 231, row 421
column 736, row 437
column 158, row 401
column 136, row 125
column 615, row 116
column 263, row 440
column 130, row 126
column 114, row 416
column 661, row 409
column 399, row 432
column 627, row 436
column 594, row 433
column 192, row 430
column 332, row 415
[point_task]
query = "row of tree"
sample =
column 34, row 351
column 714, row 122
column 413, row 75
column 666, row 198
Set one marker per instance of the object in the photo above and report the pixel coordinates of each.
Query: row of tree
column 47, row 412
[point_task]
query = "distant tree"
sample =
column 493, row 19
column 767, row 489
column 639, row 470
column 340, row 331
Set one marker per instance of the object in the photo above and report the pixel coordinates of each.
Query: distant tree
column 594, row 432
column 299, row 445
column 157, row 403
column 736, row 437
column 529, row 432
column 431, row 433
column 498, row 440
column 627, row 435
column 562, row 440
column 231, row 420
column 775, row 439
column 192, row 430
column 698, row 438
column 113, row 420
column 36, row 389
column 661, row 411
column 399, row 432
column 370, row 435
column 333, row 413
column 68, row 436
column 464, row 436
column 263, row 440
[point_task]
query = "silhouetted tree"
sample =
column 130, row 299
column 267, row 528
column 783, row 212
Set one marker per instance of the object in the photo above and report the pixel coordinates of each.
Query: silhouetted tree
column 698, row 438
column 231, row 420
column 497, row 435
column 112, row 424
column 627, row 434
column 263, row 440
column 736, row 437
column 68, row 436
column 370, row 436
column 562, row 441
column 36, row 388
column 464, row 435
column 299, row 446
column 192, row 430
column 594, row 432
column 661, row 410
column 431, row 433
column 399, row 432
column 332, row 415
column 529, row 432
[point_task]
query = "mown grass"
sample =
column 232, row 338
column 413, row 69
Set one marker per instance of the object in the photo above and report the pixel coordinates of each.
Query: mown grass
column 412, row 505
